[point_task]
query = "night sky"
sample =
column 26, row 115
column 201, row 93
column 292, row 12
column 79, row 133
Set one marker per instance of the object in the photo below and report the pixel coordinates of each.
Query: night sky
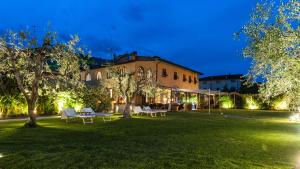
column 194, row 33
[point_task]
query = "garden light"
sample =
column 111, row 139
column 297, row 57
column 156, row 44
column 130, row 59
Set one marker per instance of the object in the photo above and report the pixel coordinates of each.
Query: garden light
column 251, row 103
column 77, row 107
column 226, row 102
column 282, row 105
column 60, row 105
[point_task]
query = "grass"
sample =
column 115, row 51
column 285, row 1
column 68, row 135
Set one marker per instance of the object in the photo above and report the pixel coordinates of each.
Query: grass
column 181, row 140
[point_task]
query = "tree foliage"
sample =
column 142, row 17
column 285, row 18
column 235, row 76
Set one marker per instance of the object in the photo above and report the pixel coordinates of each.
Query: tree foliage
column 273, row 43
column 96, row 97
column 39, row 64
column 128, row 84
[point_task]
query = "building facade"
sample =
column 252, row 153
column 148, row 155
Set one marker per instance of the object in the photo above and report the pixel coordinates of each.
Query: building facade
column 226, row 83
column 179, row 84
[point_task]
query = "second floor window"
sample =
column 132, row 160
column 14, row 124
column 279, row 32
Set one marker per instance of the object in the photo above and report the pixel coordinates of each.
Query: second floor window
column 184, row 78
column 190, row 79
column 164, row 73
column 149, row 74
column 108, row 75
column 88, row 77
column 175, row 75
column 99, row 76
column 140, row 71
column 195, row 80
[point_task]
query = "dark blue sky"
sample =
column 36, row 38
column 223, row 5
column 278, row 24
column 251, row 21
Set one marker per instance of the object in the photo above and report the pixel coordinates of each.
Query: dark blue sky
column 194, row 33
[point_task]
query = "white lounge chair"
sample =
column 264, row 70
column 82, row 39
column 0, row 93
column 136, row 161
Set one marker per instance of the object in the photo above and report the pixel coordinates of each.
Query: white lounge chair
column 71, row 114
column 139, row 110
column 162, row 112
column 90, row 111
column 295, row 117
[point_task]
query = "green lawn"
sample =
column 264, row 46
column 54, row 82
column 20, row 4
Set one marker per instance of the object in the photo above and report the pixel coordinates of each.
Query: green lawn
column 181, row 140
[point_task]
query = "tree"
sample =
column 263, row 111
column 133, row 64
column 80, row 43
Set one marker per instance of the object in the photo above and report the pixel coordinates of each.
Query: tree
column 39, row 64
column 249, row 89
column 273, row 38
column 96, row 97
column 128, row 84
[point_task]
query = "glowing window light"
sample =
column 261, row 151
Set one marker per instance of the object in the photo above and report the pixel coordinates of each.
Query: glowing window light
column 99, row 76
column 88, row 77
column 165, row 99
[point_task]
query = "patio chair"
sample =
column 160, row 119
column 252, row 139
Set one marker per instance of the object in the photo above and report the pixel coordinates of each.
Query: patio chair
column 295, row 117
column 135, row 111
column 162, row 112
column 68, row 114
column 90, row 111
column 139, row 110
column 71, row 114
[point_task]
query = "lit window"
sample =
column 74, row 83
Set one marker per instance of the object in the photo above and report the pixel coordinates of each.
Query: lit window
column 99, row 76
column 140, row 71
column 108, row 75
column 88, row 77
column 149, row 73
column 122, row 73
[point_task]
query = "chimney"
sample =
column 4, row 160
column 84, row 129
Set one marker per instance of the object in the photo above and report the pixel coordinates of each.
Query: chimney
column 133, row 55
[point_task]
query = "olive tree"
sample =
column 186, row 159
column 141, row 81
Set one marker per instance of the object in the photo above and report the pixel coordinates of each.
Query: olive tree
column 128, row 84
column 39, row 63
column 273, row 38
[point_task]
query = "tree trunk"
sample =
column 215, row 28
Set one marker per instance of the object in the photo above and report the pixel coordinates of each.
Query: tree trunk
column 126, row 112
column 31, row 114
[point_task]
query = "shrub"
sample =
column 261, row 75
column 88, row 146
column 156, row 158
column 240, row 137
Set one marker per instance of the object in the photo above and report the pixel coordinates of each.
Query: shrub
column 97, row 98
column 251, row 102
column 226, row 102
column 12, row 105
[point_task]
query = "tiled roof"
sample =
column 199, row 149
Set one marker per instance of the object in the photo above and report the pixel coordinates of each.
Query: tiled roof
column 126, row 59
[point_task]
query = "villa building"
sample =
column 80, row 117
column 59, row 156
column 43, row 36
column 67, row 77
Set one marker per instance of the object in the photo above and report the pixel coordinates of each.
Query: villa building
column 179, row 83
column 230, row 82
